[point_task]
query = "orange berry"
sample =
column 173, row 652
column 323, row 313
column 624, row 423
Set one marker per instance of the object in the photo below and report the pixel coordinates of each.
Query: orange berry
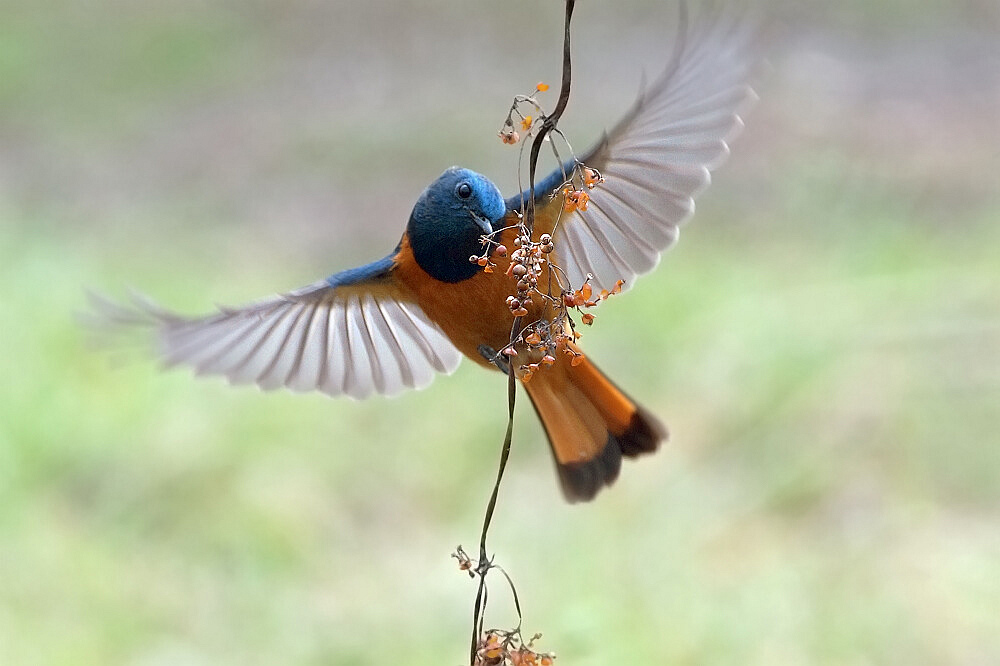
column 588, row 318
column 526, row 123
column 520, row 312
column 586, row 291
column 482, row 261
column 533, row 338
column 487, row 269
column 542, row 87
column 548, row 359
column 573, row 200
column 576, row 360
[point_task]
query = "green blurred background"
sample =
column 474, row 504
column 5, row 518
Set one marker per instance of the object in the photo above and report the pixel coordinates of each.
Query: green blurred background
column 824, row 344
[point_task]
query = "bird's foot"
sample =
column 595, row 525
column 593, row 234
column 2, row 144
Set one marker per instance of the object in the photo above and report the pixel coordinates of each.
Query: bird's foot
column 496, row 359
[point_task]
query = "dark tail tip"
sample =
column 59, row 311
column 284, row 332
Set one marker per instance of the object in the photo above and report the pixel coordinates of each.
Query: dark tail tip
column 643, row 434
column 581, row 481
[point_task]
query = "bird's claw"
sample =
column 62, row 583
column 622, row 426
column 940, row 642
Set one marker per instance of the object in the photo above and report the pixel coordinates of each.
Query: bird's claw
column 496, row 359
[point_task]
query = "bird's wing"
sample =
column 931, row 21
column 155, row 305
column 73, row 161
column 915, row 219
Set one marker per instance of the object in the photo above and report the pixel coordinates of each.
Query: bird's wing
column 355, row 333
column 655, row 160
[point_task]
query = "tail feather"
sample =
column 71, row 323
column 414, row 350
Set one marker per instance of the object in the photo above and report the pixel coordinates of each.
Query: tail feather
column 590, row 424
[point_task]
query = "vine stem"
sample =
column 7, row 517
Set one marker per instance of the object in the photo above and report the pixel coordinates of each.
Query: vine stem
column 548, row 125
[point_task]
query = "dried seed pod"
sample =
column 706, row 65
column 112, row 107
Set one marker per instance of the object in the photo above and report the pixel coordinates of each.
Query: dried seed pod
column 509, row 136
column 592, row 177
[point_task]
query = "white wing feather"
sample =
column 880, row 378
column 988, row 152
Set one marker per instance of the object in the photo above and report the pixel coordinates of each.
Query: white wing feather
column 658, row 158
column 341, row 341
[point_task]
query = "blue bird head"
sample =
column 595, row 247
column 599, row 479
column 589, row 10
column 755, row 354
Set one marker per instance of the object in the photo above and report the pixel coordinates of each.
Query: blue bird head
column 449, row 219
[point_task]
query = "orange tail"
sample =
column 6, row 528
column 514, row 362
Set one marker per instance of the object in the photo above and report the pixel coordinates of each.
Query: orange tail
column 591, row 424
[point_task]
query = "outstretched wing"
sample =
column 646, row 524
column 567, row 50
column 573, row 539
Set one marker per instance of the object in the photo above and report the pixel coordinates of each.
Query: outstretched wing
column 355, row 333
column 655, row 160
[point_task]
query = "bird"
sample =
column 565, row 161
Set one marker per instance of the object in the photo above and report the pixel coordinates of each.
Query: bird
column 396, row 322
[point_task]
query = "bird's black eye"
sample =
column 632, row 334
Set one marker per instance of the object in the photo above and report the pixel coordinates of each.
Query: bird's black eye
column 464, row 190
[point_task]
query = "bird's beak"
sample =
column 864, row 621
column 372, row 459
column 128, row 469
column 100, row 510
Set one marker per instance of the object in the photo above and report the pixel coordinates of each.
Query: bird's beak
column 483, row 224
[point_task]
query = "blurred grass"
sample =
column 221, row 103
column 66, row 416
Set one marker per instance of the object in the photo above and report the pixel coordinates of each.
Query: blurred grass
column 824, row 344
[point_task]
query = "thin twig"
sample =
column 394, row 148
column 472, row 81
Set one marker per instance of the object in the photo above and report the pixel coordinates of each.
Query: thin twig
column 548, row 125
column 550, row 121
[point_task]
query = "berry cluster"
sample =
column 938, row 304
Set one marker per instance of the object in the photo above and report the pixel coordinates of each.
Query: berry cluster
column 547, row 337
column 539, row 281
column 575, row 196
column 506, row 648
column 527, row 264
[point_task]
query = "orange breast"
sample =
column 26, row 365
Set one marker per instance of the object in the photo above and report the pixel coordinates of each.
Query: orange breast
column 472, row 312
